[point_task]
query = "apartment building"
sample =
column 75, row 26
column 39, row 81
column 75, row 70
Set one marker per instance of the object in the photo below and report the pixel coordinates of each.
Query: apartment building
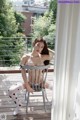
column 31, row 9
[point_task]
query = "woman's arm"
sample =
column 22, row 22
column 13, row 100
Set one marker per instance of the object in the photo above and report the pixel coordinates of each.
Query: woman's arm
column 51, row 53
column 50, row 56
column 23, row 71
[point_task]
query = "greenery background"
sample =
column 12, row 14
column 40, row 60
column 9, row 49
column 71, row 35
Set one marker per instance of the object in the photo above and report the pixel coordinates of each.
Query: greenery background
column 12, row 39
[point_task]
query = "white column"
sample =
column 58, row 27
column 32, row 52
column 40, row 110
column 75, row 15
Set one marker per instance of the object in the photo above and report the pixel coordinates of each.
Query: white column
column 67, row 61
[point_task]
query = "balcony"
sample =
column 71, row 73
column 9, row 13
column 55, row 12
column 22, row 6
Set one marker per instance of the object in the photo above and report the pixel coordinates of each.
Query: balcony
column 10, row 75
column 35, row 110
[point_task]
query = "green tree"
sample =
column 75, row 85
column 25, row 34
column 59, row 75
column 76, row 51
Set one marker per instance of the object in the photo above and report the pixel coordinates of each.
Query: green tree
column 10, row 48
column 53, row 9
column 44, row 26
column 20, row 18
column 8, row 24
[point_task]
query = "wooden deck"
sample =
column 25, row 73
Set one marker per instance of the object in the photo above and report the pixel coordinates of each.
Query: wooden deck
column 35, row 110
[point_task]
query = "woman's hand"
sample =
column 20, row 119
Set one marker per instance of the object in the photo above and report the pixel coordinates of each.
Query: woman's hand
column 29, row 89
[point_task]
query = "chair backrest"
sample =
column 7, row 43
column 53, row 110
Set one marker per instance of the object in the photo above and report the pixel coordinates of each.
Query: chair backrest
column 37, row 75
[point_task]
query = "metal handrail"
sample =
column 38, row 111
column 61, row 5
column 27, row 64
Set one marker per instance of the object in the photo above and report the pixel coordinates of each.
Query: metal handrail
column 8, row 50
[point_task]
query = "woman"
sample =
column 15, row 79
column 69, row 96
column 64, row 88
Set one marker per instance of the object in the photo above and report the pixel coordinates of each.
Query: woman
column 39, row 56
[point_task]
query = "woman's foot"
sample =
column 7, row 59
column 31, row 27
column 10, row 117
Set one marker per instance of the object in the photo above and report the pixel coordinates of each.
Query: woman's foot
column 48, row 86
column 16, row 111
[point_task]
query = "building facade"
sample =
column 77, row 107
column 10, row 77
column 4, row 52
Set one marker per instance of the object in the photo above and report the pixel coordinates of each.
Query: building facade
column 30, row 9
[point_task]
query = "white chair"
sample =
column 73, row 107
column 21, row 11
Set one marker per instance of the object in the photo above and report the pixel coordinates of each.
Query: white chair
column 37, row 84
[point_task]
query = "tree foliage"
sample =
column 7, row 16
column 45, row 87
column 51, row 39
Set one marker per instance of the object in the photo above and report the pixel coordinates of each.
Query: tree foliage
column 11, row 41
column 19, row 20
column 53, row 9
column 8, row 24
column 44, row 26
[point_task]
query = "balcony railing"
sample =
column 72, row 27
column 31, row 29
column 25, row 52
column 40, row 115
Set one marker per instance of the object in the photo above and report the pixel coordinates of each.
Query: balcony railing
column 12, row 49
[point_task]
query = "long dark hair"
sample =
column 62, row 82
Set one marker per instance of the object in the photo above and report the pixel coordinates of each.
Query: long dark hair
column 45, row 50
